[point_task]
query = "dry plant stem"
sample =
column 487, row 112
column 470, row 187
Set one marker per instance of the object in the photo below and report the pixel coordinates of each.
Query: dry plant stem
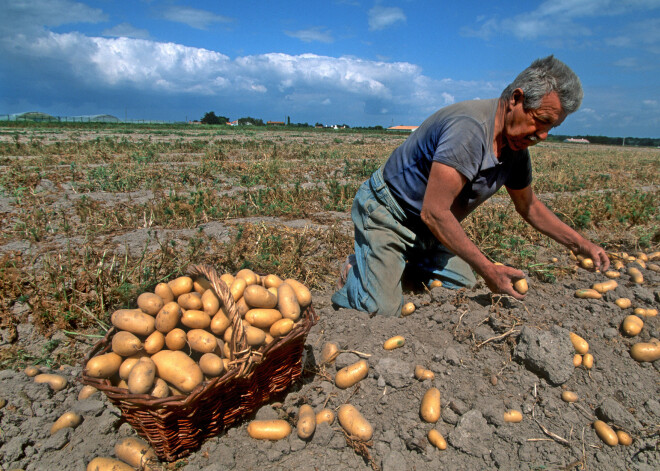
column 554, row 436
column 498, row 337
column 94, row 318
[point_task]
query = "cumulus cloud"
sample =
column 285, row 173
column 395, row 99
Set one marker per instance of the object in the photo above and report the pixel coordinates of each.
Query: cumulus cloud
column 381, row 17
column 126, row 30
column 193, row 17
column 316, row 33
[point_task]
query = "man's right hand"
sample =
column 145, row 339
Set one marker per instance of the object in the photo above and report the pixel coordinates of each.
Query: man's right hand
column 500, row 279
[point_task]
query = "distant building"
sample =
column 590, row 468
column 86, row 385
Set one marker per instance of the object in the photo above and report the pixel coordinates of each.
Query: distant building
column 274, row 123
column 575, row 140
column 97, row 118
column 403, row 128
column 32, row 116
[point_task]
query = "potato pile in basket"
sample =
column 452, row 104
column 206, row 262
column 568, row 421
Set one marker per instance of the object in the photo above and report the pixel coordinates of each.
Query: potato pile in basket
column 179, row 335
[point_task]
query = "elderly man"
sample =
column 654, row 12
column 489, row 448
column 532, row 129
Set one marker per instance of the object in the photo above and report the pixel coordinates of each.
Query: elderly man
column 407, row 215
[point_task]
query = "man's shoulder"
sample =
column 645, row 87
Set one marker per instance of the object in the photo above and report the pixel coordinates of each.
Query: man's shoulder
column 472, row 112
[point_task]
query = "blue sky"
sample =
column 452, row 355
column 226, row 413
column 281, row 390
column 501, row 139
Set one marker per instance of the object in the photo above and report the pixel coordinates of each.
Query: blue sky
column 337, row 61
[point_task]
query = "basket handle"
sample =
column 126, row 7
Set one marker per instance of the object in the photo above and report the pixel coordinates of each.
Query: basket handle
column 240, row 352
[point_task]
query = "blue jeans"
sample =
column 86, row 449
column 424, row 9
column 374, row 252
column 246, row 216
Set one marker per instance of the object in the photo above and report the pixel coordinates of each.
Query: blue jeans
column 385, row 247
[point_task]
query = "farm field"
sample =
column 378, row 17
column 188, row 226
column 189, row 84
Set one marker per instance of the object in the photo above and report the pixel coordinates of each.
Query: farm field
column 94, row 216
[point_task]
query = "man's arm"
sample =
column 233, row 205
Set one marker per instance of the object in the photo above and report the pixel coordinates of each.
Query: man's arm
column 444, row 185
column 543, row 220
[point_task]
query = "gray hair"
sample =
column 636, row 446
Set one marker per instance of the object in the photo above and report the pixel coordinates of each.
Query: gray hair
column 542, row 77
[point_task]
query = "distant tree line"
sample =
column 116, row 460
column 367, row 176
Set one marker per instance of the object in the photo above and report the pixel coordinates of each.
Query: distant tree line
column 612, row 141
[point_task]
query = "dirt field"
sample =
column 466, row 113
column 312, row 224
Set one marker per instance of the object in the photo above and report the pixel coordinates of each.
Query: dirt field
column 94, row 217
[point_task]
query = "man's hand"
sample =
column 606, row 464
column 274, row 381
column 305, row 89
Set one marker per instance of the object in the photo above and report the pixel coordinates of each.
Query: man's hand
column 500, row 278
column 594, row 252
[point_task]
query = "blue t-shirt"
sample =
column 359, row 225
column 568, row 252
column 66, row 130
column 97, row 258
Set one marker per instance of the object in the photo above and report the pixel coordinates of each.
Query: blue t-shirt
column 460, row 136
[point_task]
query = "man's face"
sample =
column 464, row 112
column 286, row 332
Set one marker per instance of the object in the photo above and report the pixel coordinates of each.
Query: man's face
column 524, row 128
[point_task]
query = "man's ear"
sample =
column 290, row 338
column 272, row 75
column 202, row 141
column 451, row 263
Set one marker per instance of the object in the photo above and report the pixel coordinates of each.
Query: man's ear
column 517, row 97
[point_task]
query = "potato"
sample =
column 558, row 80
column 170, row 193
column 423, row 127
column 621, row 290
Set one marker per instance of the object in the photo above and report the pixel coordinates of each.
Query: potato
column 164, row 292
column 160, row 389
column 201, row 285
column 306, row 422
column 623, row 303
column 287, row 302
column 653, row 256
column 653, row 267
column 190, row 301
column 624, row 438
column 407, row 309
column 86, row 391
column 154, row 343
column 437, row 440
column 150, row 303
column 640, row 311
column 632, row 325
column 588, row 294
column 606, row 433
column 587, row 263
column 108, row 464
column 210, row 303
column 248, row 275
column 126, row 344
column 127, row 365
column 237, row 287
column 325, row 416
column 142, row 376
column 194, row 319
column 303, row 294
column 228, row 279
column 351, row 374
column 281, row 328
column 354, row 423
column 168, row 317
column 635, row 275
column 103, row 366
column 569, row 396
column 612, row 274
column 272, row 281
column 394, row 342
column 513, row 416
column 256, row 296
column 263, row 318
column 577, row 360
column 588, row 361
column 255, row 336
column 32, row 371
column 435, row 284
column 219, row 323
column 178, row 369
column 329, row 352
column 423, row 374
column 242, row 307
column 68, row 419
column 211, row 364
column 605, row 286
column 430, row 409
column 579, row 344
column 135, row 452
column 176, row 339
column 134, row 321
column 202, row 341
column 618, row 265
column 645, row 351
column 269, row 429
column 521, row 286
column 181, row 285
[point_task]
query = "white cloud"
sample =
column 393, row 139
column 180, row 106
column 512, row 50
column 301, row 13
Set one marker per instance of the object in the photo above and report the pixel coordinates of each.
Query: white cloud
column 650, row 103
column 383, row 17
column 126, row 30
column 316, row 33
column 27, row 16
column 193, row 17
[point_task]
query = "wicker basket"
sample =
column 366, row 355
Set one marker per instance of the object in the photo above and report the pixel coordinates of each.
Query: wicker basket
column 177, row 425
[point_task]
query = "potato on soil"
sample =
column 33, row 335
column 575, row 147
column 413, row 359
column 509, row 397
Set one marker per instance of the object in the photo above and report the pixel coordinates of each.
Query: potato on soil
column 142, row 376
column 303, row 294
column 103, row 366
column 150, row 303
column 430, row 407
column 423, row 374
column 190, row 301
column 588, row 361
column 168, row 317
column 108, row 464
column 329, row 352
column 588, row 294
column 351, row 374
column 194, row 319
column 650, row 312
column 435, row 284
column 211, row 364
column 306, row 422
column 68, row 419
column 577, row 360
column 632, row 325
column 623, row 303
column 513, row 416
column 645, row 351
column 135, row 452
column 134, row 321
column 178, row 369
column 635, row 275
column 579, row 344
column 605, row 286
column 86, row 391
column 354, row 423
column 181, row 285
column 587, row 263
column 606, row 433
column 202, row 340
column 32, row 371
column 624, row 438
column 407, row 309
column 325, row 415
column 287, row 302
column 569, row 396
column 164, row 292
column 394, row 342
column 126, row 344
column 269, row 429
column 612, row 274
column 437, row 440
